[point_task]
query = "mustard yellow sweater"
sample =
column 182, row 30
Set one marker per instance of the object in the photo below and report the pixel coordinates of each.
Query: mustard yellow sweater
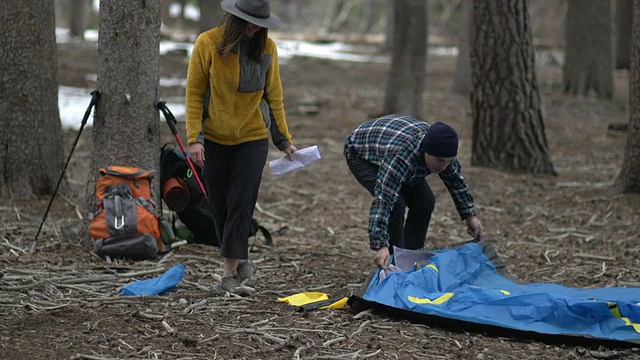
column 239, row 88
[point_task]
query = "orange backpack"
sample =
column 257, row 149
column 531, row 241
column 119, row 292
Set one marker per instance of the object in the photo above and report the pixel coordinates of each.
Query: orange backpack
column 124, row 207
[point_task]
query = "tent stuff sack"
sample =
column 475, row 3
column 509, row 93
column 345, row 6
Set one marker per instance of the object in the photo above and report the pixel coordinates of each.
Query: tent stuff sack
column 125, row 222
column 182, row 195
column 467, row 287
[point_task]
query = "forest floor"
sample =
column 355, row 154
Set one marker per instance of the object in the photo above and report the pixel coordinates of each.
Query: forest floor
column 59, row 301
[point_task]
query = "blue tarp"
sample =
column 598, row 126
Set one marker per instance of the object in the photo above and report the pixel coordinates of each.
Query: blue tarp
column 463, row 284
column 155, row 286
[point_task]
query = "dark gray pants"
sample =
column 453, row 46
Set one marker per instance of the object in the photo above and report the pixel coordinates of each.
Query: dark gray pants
column 233, row 175
column 418, row 197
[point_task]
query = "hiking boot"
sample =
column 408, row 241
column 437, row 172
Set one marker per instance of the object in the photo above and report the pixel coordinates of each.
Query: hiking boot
column 247, row 273
column 230, row 284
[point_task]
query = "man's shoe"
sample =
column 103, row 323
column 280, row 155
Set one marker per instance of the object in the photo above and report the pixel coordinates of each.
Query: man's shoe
column 247, row 273
column 230, row 284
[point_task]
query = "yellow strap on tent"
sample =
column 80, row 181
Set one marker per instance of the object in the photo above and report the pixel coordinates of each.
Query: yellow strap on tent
column 337, row 304
column 304, row 298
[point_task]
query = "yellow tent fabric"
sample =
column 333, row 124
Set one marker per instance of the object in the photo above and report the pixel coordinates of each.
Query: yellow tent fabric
column 338, row 304
column 304, row 298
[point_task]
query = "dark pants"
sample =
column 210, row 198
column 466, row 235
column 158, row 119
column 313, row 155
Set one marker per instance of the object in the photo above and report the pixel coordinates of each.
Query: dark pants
column 233, row 175
column 418, row 197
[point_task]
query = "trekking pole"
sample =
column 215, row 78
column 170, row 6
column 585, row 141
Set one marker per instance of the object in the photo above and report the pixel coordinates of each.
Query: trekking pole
column 171, row 121
column 95, row 95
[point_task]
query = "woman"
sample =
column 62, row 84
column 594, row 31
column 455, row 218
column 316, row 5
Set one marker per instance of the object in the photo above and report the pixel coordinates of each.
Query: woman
column 234, row 98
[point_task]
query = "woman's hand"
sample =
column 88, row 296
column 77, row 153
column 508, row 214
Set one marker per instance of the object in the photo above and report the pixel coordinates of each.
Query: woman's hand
column 289, row 151
column 196, row 151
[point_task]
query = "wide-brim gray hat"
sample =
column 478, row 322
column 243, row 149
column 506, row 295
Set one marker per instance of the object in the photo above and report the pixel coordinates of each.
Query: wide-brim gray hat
column 257, row 12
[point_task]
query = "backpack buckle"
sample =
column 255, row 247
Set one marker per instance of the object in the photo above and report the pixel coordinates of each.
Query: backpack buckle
column 120, row 225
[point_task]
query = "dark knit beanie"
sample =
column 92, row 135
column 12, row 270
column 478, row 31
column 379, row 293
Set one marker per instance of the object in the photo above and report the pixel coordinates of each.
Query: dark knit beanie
column 441, row 141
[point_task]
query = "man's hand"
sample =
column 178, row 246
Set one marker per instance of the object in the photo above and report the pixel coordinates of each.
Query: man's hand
column 474, row 226
column 382, row 257
column 196, row 151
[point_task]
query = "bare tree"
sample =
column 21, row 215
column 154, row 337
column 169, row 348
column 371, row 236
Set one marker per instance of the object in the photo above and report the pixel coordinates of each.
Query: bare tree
column 588, row 63
column 78, row 18
column 59, row 10
column 629, row 178
column 31, row 155
column 126, row 125
column 370, row 15
column 408, row 71
column 508, row 127
column 462, row 76
column 210, row 14
column 165, row 12
column 623, row 24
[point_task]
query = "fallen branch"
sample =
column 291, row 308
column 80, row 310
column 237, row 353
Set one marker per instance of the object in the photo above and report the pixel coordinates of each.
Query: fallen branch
column 168, row 327
column 595, row 257
column 90, row 357
column 147, row 316
column 361, row 327
column 333, row 341
column 363, row 314
column 194, row 306
column 268, row 213
column 13, row 247
column 140, row 273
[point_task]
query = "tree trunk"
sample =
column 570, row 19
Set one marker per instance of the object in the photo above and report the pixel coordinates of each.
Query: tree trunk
column 508, row 128
column 462, row 76
column 624, row 20
column 31, row 152
column 210, row 14
column 588, row 60
column 629, row 178
column 126, row 125
column 78, row 18
column 408, row 71
column 59, row 10
column 165, row 12
column 388, row 39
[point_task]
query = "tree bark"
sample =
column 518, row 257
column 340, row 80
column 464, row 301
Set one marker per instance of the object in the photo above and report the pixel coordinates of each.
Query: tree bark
column 588, row 61
column 624, row 22
column 31, row 152
column 629, row 178
column 508, row 127
column 408, row 71
column 126, row 125
column 462, row 76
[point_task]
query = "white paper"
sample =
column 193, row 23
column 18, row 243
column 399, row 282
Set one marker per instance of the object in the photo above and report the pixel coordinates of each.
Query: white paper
column 406, row 259
column 384, row 273
column 301, row 158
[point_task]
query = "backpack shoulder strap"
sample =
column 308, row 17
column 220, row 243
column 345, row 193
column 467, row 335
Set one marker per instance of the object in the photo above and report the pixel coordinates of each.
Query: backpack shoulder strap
column 267, row 235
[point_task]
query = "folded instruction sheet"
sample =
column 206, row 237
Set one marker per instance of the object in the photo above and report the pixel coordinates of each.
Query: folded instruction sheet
column 301, row 158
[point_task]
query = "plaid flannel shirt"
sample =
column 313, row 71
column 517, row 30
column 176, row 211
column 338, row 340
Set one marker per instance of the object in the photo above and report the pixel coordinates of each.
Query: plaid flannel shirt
column 392, row 143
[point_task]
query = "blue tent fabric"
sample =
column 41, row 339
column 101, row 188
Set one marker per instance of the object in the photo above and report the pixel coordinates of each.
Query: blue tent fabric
column 463, row 284
column 155, row 286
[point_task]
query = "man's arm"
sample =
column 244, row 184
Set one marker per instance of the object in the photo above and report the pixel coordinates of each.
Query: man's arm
column 459, row 190
column 391, row 175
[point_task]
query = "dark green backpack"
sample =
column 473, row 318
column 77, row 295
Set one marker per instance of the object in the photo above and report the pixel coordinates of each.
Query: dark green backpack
column 182, row 195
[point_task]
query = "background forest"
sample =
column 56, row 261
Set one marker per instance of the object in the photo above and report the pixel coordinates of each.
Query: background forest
column 543, row 94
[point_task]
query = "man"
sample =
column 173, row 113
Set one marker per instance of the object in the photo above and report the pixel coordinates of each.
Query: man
column 391, row 156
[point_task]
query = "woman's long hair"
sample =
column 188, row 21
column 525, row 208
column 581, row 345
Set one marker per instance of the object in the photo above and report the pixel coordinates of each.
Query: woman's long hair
column 234, row 34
